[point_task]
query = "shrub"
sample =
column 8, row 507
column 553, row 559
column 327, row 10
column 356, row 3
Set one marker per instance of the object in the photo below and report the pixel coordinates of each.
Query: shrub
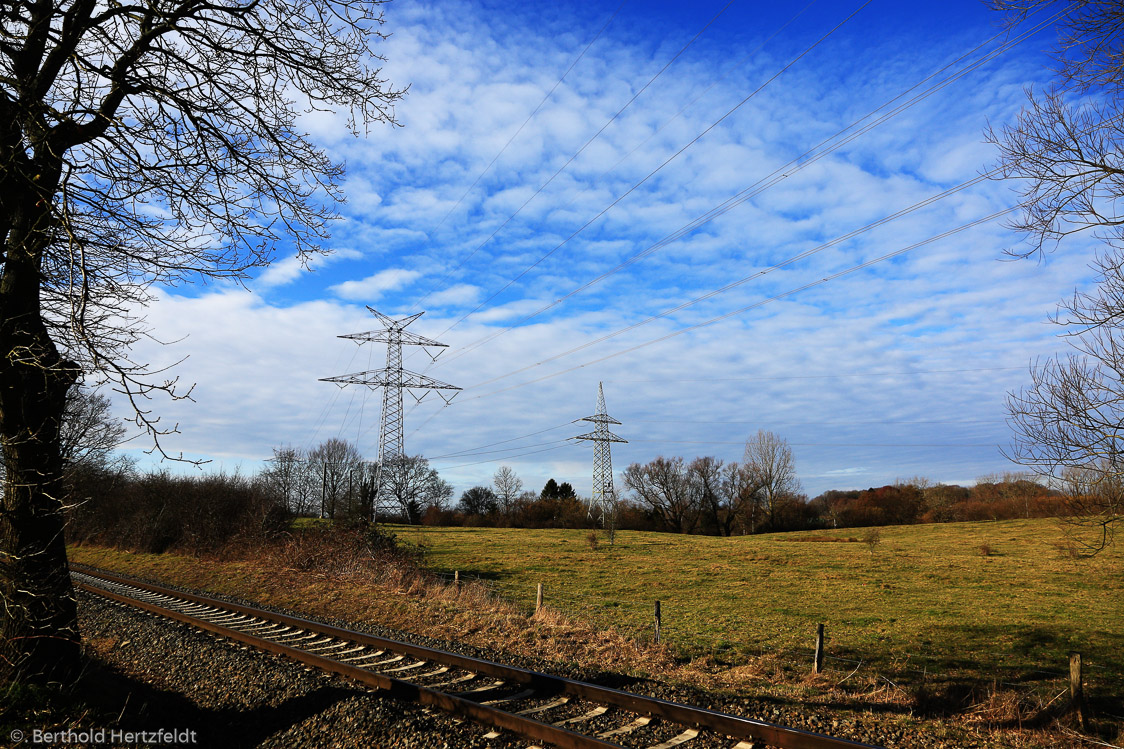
column 159, row 512
column 871, row 537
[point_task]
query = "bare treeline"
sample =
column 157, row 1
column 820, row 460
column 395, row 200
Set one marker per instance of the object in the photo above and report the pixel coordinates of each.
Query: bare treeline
column 333, row 481
column 708, row 495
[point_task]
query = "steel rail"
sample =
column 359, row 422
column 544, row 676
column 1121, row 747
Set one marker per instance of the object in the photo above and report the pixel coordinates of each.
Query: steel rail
column 737, row 727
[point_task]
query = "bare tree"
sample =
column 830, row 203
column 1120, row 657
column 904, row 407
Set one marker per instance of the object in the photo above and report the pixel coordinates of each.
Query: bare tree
column 1069, row 157
column 1067, row 151
column 1022, row 487
column 508, row 489
column 1069, row 428
column 1072, row 169
column 741, row 492
column 411, row 486
column 706, row 475
column 770, row 464
column 142, row 144
column 289, row 475
column 1095, row 497
column 335, row 464
column 89, row 432
column 479, row 500
column 665, row 488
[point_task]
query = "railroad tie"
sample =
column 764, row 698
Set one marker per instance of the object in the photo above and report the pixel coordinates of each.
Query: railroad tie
column 682, row 738
column 638, row 723
column 543, row 708
column 599, row 710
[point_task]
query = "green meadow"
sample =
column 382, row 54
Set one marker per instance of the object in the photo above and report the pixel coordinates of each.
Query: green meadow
column 993, row 601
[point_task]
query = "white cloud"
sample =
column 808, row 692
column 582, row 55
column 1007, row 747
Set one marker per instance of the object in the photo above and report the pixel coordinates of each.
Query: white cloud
column 289, row 269
column 822, row 367
column 456, row 295
column 373, row 287
column 282, row 272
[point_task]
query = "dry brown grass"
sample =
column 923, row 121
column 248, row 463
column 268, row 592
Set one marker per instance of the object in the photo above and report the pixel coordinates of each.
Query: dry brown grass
column 324, row 577
column 822, row 539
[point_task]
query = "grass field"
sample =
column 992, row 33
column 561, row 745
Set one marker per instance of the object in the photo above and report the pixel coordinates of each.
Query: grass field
column 995, row 600
column 962, row 631
column 924, row 619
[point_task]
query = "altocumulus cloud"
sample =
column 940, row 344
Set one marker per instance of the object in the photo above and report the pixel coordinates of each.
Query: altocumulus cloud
column 522, row 249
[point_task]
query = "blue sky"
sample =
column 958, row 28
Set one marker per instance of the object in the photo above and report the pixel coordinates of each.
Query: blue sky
column 550, row 259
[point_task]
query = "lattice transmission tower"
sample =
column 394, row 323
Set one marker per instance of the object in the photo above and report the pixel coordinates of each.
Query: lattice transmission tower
column 393, row 379
column 602, row 499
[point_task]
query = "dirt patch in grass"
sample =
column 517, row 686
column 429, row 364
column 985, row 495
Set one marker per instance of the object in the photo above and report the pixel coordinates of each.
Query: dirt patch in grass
column 822, row 539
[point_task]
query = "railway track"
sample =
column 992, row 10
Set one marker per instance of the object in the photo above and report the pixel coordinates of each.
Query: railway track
column 540, row 707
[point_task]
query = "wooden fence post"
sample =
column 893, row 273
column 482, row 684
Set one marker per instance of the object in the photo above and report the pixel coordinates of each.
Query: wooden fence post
column 457, row 579
column 1076, row 690
column 818, row 666
column 538, row 599
column 657, row 622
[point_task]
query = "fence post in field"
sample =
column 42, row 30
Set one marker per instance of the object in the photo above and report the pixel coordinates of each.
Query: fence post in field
column 818, row 666
column 457, row 579
column 657, row 622
column 1076, row 690
column 538, row 599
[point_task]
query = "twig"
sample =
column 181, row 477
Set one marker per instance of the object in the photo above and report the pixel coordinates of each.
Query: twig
column 895, row 686
column 848, row 676
column 1051, row 702
column 1091, row 741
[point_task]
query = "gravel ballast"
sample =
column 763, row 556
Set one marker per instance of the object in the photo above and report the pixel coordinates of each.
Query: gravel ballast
column 238, row 697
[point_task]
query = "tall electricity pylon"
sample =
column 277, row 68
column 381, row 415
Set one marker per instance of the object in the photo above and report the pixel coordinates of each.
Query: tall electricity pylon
column 393, row 379
column 601, row 501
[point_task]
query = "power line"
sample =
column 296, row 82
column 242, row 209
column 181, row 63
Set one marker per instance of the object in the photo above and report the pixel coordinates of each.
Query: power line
column 711, row 321
column 512, row 439
column 913, row 101
column 755, row 305
column 704, row 92
column 579, row 152
column 734, row 284
column 849, row 422
column 624, row 158
column 961, row 422
column 468, row 454
column 986, row 58
column 813, row 444
column 655, row 171
column 797, row 164
column 509, row 142
column 509, row 457
column 830, row 376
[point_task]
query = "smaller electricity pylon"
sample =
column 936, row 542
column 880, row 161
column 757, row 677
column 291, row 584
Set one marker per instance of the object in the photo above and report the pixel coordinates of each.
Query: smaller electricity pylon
column 602, row 502
column 393, row 379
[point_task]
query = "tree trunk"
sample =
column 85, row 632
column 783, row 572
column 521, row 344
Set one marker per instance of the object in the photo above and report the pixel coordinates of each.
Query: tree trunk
column 39, row 624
